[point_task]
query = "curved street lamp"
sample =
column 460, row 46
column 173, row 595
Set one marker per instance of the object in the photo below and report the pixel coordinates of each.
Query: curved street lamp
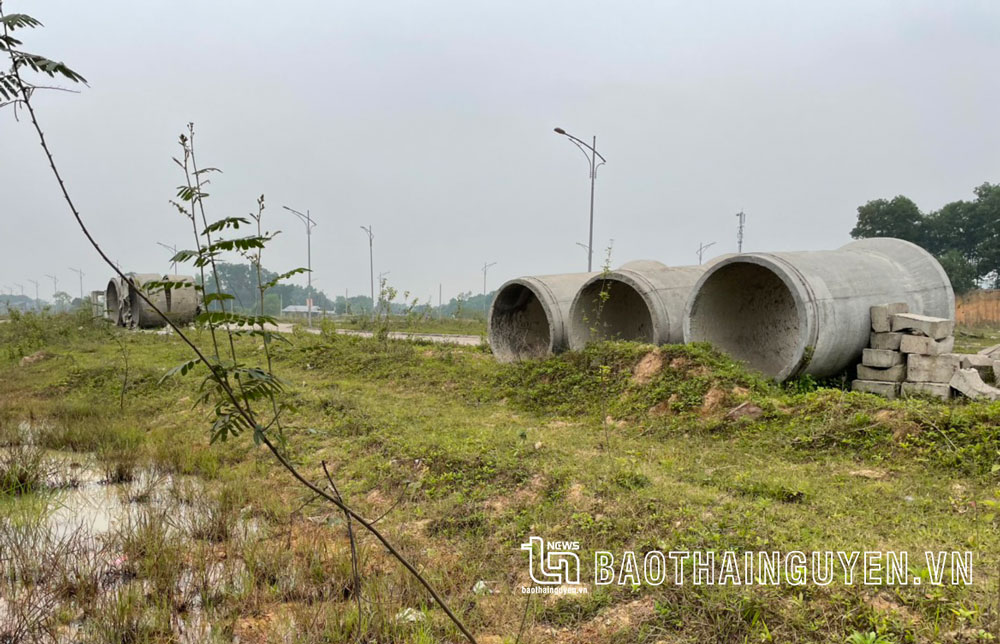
column 592, row 156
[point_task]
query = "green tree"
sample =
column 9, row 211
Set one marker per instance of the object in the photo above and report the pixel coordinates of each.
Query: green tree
column 961, row 271
column 897, row 218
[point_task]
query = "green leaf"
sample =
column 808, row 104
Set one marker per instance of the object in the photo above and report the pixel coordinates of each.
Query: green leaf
column 19, row 21
column 283, row 276
column 222, row 224
column 181, row 369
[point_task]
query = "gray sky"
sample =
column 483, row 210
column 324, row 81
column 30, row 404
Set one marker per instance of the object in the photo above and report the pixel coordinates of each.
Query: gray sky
column 433, row 122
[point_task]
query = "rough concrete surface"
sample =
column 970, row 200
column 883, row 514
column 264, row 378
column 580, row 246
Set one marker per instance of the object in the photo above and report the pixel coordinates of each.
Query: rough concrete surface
column 881, row 358
column 881, row 315
column 935, row 389
column 892, row 374
column 969, row 383
column 932, row 368
column 885, row 389
column 926, row 346
column 932, row 327
column 888, row 341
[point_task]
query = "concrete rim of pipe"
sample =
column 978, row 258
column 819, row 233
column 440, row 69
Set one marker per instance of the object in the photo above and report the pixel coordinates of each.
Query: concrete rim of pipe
column 807, row 312
column 527, row 318
column 795, row 318
column 535, row 333
column 112, row 302
column 635, row 315
column 645, row 303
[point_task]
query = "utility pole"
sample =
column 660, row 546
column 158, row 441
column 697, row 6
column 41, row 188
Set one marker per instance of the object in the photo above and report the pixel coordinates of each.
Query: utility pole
column 310, row 224
column 702, row 248
column 440, row 310
column 371, row 264
column 486, row 267
column 586, row 249
column 77, row 270
column 38, row 306
column 594, row 165
column 173, row 249
column 739, row 231
column 55, row 283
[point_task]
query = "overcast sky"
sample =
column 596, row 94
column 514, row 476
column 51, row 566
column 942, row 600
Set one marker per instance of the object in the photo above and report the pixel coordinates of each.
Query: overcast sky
column 432, row 121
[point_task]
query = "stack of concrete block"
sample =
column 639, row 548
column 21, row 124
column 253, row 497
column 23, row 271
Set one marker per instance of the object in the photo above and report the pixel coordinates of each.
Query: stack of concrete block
column 908, row 354
column 912, row 354
column 883, row 365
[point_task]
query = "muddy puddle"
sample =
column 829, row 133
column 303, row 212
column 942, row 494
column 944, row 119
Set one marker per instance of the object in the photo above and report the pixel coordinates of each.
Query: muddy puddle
column 65, row 547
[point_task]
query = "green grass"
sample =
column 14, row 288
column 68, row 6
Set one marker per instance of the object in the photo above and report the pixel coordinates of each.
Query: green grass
column 470, row 457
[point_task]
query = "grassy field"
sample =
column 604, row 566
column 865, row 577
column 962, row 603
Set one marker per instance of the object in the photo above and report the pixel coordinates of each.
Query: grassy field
column 620, row 447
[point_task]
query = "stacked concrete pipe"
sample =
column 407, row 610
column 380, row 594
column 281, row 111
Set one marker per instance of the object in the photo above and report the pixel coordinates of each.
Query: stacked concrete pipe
column 528, row 316
column 642, row 301
column 789, row 314
column 124, row 307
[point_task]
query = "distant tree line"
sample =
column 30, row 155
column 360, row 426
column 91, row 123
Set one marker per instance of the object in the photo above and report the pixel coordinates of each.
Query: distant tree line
column 963, row 235
column 241, row 281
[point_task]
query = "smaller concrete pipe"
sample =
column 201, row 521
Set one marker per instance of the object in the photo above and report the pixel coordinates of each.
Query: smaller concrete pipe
column 788, row 314
column 142, row 315
column 182, row 301
column 528, row 316
column 644, row 302
column 112, row 301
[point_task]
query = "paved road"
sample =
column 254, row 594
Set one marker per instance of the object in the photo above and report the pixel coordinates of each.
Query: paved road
column 442, row 338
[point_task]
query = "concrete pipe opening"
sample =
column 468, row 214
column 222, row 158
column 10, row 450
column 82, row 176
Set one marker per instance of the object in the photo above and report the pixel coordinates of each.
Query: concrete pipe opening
column 751, row 313
column 527, row 317
column 621, row 313
column 519, row 326
column 112, row 303
column 809, row 312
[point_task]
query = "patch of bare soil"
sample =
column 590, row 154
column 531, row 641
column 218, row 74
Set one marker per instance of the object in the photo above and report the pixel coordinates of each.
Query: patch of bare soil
column 650, row 365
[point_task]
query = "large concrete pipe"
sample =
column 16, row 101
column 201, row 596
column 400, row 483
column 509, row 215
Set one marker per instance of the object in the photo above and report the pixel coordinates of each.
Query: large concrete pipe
column 528, row 316
column 113, row 301
column 643, row 301
column 182, row 301
column 141, row 314
column 789, row 314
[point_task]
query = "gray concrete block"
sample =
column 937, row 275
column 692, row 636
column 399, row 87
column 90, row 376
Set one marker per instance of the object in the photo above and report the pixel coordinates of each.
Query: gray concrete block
column 926, row 346
column 993, row 352
column 882, row 315
column 996, row 371
column 968, row 382
column 937, row 328
column 881, row 358
column 935, row 389
column 888, row 341
column 982, row 364
column 885, row 389
column 932, row 368
column 892, row 374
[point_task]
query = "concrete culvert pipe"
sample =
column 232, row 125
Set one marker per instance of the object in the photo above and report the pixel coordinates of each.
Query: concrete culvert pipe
column 643, row 301
column 182, row 301
column 142, row 315
column 112, row 302
column 790, row 314
column 528, row 316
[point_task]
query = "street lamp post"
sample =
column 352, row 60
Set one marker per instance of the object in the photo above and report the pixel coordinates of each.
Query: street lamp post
column 55, row 284
column 592, row 158
column 310, row 224
column 80, row 272
column 371, row 263
column 172, row 249
column 38, row 307
column 486, row 267
column 702, row 248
